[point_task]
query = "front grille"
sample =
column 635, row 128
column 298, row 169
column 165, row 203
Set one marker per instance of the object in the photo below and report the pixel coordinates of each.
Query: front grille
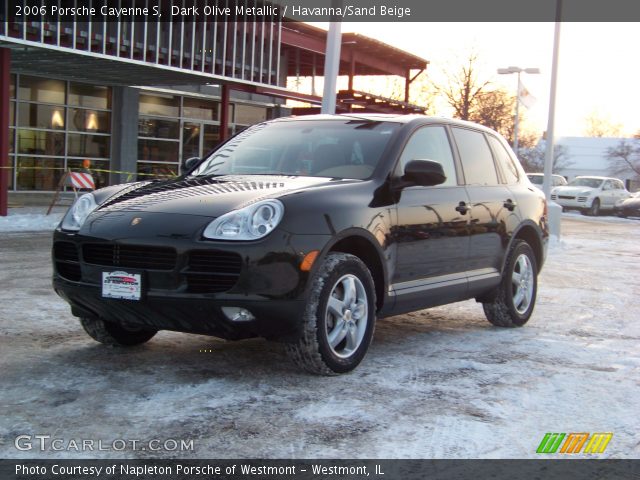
column 553, row 196
column 212, row 271
column 567, row 197
column 131, row 256
column 582, row 199
column 65, row 251
column 67, row 262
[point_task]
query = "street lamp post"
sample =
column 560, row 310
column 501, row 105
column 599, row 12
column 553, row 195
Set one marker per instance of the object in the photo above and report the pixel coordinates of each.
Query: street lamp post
column 518, row 70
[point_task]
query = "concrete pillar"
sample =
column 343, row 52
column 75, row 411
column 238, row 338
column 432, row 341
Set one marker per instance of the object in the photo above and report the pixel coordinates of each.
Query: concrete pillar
column 124, row 133
column 331, row 67
column 5, row 79
column 224, row 112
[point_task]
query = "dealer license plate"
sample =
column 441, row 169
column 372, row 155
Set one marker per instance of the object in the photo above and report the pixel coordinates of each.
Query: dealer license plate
column 123, row 285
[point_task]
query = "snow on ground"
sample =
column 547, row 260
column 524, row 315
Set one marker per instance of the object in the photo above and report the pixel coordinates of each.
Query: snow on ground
column 439, row 383
column 31, row 219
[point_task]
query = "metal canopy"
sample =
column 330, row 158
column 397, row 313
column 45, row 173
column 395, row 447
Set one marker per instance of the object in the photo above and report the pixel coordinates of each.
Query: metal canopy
column 70, row 65
column 305, row 47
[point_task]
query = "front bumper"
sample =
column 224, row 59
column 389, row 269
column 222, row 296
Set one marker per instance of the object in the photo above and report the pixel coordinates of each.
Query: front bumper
column 569, row 201
column 183, row 294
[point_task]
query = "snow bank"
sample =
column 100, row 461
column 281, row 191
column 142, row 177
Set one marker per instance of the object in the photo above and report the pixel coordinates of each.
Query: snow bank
column 29, row 222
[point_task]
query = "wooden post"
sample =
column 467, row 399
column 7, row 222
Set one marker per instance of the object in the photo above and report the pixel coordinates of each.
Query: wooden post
column 59, row 188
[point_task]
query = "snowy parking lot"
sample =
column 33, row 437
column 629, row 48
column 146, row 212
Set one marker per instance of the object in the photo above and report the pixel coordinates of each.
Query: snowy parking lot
column 440, row 383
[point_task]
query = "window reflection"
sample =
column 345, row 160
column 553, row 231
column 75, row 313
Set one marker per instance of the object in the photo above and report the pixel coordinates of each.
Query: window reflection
column 81, row 120
column 41, row 116
column 40, row 142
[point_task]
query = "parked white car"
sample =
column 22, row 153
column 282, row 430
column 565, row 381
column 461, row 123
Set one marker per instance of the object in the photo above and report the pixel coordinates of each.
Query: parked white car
column 590, row 195
column 538, row 179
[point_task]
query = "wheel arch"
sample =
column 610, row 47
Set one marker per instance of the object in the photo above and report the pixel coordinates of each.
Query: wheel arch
column 530, row 233
column 361, row 244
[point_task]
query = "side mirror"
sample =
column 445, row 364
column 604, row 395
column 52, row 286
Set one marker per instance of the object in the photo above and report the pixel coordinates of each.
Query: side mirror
column 424, row 172
column 189, row 163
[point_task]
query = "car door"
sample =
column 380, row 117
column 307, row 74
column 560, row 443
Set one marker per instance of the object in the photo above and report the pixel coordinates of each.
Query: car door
column 620, row 191
column 608, row 195
column 431, row 234
column 492, row 206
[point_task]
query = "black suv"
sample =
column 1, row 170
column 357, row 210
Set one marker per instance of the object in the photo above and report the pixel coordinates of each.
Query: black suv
column 306, row 230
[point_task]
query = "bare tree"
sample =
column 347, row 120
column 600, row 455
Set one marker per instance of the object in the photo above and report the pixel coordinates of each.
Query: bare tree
column 533, row 158
column 463, row 88
column 624, row 158
column 494, row 109
column 599, row 126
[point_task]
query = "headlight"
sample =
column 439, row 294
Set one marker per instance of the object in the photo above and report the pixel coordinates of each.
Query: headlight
column 79, row 211
column 586, row 192
column 249, row 223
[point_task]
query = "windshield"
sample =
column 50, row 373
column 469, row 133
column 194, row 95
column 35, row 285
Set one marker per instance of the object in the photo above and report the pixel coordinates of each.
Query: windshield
column 349, row 148
column 536, row 179
column 586, row 182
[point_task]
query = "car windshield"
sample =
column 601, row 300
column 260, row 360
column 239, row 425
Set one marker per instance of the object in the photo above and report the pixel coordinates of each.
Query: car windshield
column 586, row 182
column 536, row 179
column 345, row 148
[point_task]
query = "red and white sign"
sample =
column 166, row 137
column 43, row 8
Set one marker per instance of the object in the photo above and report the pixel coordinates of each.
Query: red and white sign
column 82, row 180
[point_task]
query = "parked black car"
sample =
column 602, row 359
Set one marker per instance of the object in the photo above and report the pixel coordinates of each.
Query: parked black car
column 629, row 207
column 305, row 230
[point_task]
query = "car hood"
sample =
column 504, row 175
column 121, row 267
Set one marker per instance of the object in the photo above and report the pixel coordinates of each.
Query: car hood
column 208, row 196
column 574, row 191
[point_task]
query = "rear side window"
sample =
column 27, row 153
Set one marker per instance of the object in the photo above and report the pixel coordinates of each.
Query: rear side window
column 477, row 161
column 431, row 143
column 504, row 160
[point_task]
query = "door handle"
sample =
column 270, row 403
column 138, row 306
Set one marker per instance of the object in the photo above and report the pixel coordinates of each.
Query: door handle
column 509, row 204
column 462, row 208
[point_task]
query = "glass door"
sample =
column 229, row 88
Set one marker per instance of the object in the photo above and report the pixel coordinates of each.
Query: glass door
column 198, row 138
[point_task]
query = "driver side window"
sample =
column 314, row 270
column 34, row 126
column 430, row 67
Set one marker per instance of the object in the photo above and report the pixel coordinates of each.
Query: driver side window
column 431, row 143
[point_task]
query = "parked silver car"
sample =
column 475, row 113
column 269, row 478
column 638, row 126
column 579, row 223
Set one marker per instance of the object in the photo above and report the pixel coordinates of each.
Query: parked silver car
column 538, row 179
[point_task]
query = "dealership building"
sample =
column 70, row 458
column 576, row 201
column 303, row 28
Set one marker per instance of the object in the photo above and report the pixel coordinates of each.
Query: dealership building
column 137, row 98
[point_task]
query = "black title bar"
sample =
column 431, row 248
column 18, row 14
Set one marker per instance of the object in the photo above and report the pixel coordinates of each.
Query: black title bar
column 320, row 10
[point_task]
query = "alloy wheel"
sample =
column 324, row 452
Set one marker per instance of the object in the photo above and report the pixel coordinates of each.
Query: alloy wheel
column 346, row 316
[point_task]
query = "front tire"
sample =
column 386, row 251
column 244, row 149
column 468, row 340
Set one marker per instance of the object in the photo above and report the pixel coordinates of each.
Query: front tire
column 339, row 319
column 516, row 295
column 114, row 334
column 594, row 211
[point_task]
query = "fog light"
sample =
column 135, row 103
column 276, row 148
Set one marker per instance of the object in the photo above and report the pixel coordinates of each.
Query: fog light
column 237, row 314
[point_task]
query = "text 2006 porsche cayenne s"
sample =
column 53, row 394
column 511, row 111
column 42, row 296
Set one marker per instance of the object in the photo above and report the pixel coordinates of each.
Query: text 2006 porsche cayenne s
column 305, row 230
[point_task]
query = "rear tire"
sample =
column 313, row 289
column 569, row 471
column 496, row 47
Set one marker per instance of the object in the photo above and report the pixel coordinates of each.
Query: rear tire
column 339, row 319
column 515, row 299
column 114, row 334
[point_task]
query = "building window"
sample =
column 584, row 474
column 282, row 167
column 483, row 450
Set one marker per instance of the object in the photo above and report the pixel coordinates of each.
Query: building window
column 39, row 173
column 249, row 115
column 160, row 105
column 90, row 96
column 37, row 115
column 12, row 86
column 56, row 126
column 174, row 128
column 196, row 108
column 34, row 89
column 92, row 121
